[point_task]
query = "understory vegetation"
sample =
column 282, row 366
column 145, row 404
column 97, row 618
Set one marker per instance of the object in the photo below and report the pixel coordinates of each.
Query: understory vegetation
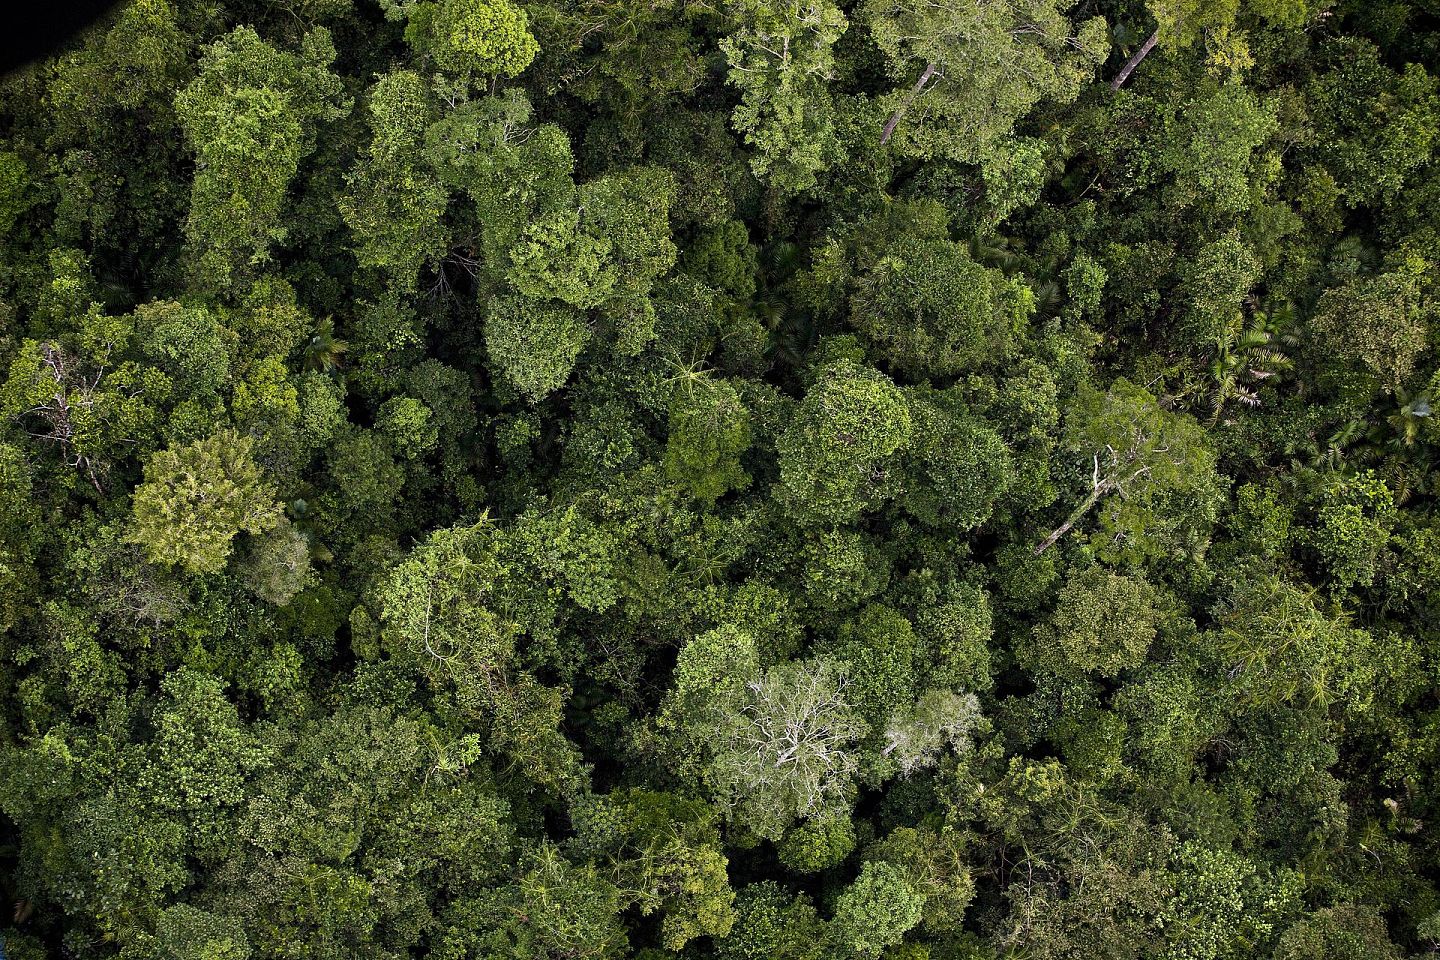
column 722, row 480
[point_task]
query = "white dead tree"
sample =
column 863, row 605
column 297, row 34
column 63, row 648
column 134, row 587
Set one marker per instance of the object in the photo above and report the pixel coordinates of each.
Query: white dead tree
column 915, row 738
column 788, row 753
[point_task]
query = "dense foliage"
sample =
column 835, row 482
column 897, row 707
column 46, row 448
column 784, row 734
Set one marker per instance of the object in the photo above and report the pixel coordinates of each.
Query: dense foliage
column 754, row 480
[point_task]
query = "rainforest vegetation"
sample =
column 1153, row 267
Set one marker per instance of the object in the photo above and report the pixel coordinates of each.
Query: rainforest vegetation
column 722, row 480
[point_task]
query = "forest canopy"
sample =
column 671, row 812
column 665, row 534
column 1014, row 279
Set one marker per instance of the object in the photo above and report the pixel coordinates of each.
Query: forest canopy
column 735, row 480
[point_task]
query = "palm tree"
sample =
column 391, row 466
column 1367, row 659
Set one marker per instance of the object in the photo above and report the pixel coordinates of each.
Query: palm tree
column 323, row 351
column 1410, row 417
column 1247, row 359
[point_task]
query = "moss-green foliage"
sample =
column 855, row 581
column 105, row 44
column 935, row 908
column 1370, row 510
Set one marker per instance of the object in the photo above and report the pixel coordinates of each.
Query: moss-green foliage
column 724, row 258
column 1103, row 623
column 473, row 38
column 534, row 344
column 786, row 111
column 249, row 116
column 554, row 258
column 665, row 853
column 1378, row 322
column 932, row 310
column 1342, row 931
column 993, row 65
column 876, row 910
column 773, row 922
column 395, row 201
column 709, row 430
column 1216, row 283
column 771, row 480
column 960, row 468
column 879, row 649
column 836, row 453
column 815, row 845
column 1353, row 525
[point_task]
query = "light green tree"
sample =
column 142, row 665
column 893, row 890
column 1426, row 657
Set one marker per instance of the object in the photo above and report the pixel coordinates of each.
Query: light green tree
column 395, row 202
column 970, row 70
column 534, row 344
column 876, row 910
column 1103, row 624
column 196, row 498
column 473, row 39
column 251, row 117
column 709, row 429
column 931, row 310
column 781, row 58
column 1136, row 450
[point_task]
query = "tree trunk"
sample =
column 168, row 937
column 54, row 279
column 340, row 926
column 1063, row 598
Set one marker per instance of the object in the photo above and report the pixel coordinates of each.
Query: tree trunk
column 1074, row 518
column 1134, row 60
column 915, row 91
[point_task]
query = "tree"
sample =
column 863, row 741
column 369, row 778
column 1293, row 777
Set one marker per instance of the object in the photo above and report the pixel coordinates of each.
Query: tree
column 199, row 760
column 189, row 344
column 515, row 171
column 1103, row 624
column 133, row 65
column 1222, row 903
column 841, row 569
column 409, row 425
column 186, row 933
column 781, row 58
column 958, row 468
column 553, row 909
column 815, row 845
column 977, row 68
column 1374, row 126
column 251, row 117
column 1281, row 649
column 835, row 455
column 772, row 922
column 935, row 867
column 1341, row 932
column 556, row 259
column 1183, row 22
column 457, row 609
column 1378, row 323
column 277, row 566
column 940, row 719
column 630, row 210
column 1213, row 147
column 19, row 519
column 709, row 430
column 784, row 751
column 534, row 344
column 473, row 40
column 1215, row 285
column 876, row 910
column 878, row 651
column 196, row 498
column 930, row 309
column 84, row 400
column 1355, row 520
column 438, row 604
column 395, row 202
column 722, row 257
column 15, row 188
column 664, row 854
column 1136, row 450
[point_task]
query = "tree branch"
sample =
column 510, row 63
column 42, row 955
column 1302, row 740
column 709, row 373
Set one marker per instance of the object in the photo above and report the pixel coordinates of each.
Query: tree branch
column 1099, row 491
column 915, row 91
column 1134, row 60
